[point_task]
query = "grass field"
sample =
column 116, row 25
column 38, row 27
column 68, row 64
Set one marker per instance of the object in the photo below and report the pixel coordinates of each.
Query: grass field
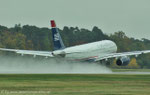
column 73, row 84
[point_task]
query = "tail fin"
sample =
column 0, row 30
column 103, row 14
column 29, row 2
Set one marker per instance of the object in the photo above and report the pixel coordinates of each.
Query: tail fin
column 57, row 41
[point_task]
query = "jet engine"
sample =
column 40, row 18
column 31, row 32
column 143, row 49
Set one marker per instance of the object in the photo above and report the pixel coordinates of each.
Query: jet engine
column 123, row 61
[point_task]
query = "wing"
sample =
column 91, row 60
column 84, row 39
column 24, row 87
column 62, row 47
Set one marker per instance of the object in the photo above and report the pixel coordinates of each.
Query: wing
column 30, row 52
column 116, row 55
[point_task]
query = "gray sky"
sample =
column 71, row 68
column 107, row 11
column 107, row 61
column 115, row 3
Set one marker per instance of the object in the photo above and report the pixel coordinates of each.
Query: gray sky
column 130, row 16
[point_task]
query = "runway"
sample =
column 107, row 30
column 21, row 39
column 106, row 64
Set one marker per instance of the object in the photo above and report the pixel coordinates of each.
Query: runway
column 138, row 73
column 119, row 73
column 26, row 65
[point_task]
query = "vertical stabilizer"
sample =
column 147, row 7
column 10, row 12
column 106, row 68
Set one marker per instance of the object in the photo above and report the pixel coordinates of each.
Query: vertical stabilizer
column 57, row 41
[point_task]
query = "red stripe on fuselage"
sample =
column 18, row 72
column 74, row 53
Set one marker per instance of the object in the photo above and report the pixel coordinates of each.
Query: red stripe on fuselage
column 87, row 58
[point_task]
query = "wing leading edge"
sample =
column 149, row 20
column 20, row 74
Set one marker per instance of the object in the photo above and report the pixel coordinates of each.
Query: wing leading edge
column 116, row 55
column 29, row 52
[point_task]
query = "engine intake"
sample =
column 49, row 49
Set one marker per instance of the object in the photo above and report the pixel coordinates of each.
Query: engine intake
column 123, row 61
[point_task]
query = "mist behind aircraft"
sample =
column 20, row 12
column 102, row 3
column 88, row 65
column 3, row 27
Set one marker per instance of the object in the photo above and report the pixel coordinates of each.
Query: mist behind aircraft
column 30, row 65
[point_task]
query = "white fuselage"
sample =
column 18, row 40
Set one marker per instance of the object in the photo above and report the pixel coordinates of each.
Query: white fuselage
column 90, row 50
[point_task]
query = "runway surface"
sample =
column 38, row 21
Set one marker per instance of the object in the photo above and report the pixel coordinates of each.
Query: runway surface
column 27, row 65
column 141, row 73
column 122, row 73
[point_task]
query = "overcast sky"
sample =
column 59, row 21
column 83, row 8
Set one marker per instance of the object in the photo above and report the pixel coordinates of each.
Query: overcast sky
column 130, row 16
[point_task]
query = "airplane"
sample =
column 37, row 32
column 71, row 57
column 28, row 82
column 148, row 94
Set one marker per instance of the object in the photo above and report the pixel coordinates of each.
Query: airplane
column 91, row 52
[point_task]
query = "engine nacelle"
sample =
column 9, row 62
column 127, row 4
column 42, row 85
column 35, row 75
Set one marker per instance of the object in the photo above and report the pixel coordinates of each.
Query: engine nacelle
column 123, row 61
column 59, row 53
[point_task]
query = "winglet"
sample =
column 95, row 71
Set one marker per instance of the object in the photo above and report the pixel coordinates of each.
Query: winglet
column 53, row 24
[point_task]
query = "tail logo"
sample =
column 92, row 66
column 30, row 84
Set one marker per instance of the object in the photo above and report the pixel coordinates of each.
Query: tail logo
column 56, row 37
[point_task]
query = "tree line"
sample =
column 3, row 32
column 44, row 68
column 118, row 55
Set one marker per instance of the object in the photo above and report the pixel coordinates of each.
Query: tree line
column 29, row 37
